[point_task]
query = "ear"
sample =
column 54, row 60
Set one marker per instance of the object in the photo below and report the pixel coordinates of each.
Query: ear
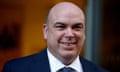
column 45, row 31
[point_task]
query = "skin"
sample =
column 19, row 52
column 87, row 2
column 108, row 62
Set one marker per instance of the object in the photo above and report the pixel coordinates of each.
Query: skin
column 65, row 31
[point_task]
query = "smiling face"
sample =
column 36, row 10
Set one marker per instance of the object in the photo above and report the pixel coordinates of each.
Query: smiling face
column 65, row 33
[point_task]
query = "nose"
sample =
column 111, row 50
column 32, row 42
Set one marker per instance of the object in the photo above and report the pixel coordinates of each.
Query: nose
column 69, row 33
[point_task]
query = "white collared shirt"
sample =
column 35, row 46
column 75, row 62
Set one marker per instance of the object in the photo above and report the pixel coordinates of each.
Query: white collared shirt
column 56, row 64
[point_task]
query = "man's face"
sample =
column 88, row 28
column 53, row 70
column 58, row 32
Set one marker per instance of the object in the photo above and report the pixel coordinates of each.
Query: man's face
column 65, row 33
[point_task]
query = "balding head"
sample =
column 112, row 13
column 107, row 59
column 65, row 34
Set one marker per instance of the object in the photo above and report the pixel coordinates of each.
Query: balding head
column 65, row 33
column 65, row 7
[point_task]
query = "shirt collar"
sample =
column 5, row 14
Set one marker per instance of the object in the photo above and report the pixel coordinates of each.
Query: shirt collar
column 56, row 64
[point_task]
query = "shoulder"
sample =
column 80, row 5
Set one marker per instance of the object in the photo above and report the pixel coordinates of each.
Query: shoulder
column 90, row 67
column 27, row 60
column 33, row 63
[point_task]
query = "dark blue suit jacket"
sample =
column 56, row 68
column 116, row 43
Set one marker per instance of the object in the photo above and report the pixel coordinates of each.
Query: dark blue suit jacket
column 39, row 63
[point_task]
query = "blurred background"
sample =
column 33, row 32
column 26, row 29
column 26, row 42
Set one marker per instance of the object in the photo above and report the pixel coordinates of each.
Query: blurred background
column 21, row 30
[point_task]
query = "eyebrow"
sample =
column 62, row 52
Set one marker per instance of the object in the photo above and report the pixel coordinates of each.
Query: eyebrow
column 60, row 23
column 80, row 23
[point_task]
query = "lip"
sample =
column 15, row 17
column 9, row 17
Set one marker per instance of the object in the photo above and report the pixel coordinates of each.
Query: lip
column 68, row 45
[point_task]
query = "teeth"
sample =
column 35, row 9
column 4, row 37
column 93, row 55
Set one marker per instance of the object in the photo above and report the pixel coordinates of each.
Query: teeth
column 68, row 42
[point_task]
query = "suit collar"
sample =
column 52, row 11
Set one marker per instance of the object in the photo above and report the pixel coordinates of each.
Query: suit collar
column 86, row 65
column 40, row 63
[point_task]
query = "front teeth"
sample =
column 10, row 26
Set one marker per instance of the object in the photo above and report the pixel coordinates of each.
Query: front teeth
column 68, row 42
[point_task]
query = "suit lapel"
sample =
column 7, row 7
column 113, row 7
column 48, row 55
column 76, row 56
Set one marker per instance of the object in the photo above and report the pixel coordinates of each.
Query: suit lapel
column 86, row 65
column 40, row 63
column 83, row 65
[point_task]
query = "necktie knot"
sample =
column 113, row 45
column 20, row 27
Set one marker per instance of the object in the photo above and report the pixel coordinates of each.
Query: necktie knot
column 66, row 69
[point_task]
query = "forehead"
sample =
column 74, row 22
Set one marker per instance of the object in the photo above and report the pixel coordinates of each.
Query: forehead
column 66, row 10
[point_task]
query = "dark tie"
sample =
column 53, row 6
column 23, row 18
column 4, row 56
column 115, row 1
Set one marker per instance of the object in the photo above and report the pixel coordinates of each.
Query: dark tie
column 66, row 69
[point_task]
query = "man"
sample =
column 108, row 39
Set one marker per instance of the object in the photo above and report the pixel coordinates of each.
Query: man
column 65, row 36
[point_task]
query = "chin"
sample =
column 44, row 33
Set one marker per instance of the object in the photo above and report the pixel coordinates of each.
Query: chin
column 69, row 54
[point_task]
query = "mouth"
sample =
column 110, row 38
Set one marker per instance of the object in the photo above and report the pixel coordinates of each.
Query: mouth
column 68, row 44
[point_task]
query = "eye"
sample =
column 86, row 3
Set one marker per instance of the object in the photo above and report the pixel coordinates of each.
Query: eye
column 59, row 26
column 78, row 26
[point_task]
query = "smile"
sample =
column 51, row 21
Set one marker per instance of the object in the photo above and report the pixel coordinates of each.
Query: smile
column 68, row 43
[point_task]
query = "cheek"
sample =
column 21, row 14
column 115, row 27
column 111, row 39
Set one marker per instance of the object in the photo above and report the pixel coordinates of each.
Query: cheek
column 82, row 34
column 54, row 36
column 81, row 37
column 82, row 40
column 59, row 35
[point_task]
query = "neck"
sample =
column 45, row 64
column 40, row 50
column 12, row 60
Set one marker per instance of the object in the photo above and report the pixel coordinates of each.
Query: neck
column 67, row 60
